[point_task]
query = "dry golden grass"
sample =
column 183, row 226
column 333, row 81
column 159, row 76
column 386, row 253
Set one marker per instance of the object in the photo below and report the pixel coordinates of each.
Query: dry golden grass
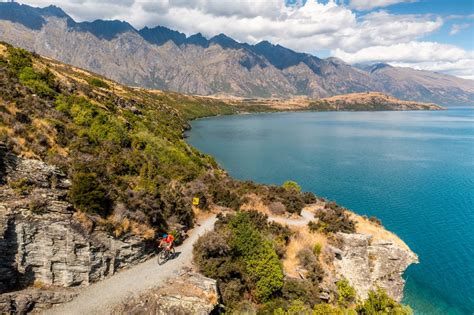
column 302, row 239
column 3, row 50
column 362, row 98
column 364, row 226
column 255, row 203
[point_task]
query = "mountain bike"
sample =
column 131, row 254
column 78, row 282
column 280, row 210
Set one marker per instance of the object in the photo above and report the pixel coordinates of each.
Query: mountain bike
column 165, row 255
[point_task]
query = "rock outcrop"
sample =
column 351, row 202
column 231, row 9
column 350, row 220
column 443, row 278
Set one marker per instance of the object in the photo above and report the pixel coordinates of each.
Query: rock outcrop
column 42, row 242
column 191, row 293
column 368, row 264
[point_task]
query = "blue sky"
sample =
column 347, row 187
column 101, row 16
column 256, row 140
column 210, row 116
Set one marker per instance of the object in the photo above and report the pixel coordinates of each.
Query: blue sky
column 435, row 35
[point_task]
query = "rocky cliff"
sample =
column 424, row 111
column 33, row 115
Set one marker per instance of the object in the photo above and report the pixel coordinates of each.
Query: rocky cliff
column 369, row 264
column 43, row 244
column 164, row 59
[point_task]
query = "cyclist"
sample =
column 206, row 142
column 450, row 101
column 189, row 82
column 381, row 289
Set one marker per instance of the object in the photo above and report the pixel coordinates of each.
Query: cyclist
column 167, row 241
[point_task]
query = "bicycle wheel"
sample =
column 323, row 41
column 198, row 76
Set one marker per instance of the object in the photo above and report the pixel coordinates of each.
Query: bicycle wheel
column 163, row 257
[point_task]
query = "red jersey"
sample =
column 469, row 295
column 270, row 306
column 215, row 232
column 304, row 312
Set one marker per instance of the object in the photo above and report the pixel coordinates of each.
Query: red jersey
column 168, row 239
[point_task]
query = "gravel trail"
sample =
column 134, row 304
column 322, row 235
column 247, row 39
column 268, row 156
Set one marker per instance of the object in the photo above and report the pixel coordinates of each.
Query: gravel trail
column 100, row 297
column 306, row 216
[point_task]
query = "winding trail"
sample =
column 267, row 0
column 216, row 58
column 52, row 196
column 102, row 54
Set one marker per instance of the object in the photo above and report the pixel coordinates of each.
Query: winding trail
column 306, row 216
column 100, row 297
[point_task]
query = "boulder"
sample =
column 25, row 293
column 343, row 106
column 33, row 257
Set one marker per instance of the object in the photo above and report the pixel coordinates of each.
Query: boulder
column 191, row 293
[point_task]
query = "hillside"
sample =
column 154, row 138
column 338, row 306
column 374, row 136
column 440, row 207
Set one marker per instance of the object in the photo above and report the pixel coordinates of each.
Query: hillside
column 93, row 172
column 160, row 58
column 368, row 101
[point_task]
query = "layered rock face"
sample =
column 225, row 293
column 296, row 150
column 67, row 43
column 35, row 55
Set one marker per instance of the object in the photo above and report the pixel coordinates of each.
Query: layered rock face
column 368, row 264
column 42, row 243
column 190, row 293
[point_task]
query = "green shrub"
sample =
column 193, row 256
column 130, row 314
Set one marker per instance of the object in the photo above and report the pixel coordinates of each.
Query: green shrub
column 88, row 194
column 37, row 206
column 309, row 198
column 303, row 290
column 291, row 185
column 231, row 292
column 265, row 270
column 18, row 59
column 333, row 219
column 346, row 293
column 317, row 249
column 311, row 263
column 96, row 82
column 21, row 186
column 328, row 309
column 378, row 302
column 293, row 201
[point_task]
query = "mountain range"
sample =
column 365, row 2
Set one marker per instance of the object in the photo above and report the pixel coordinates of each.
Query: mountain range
column 161, row 58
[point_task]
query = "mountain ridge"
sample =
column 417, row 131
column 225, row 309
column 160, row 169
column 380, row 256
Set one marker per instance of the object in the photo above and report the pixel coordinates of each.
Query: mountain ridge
column 161, row 58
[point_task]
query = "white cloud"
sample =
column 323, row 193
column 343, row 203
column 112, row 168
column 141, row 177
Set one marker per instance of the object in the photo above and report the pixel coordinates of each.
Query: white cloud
column 317, row 26
column 419, row 55
column 371, row 4
column 456, row 28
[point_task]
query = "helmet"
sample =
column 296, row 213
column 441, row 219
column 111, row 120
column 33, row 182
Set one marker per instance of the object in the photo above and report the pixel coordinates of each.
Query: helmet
column 165, row 235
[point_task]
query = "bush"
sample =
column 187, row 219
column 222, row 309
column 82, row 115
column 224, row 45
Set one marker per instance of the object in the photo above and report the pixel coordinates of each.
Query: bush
column 18, row 59
column 265, row 270
column 317, row 249
column 346, row 293
column 224, row 197
column 231, row 292
column 378, row 302
column 310, row 262
column 293, row 202
column 375, row 220
column 96, row 82
column 327, row 309
column 37, row 206
column 303, row 290
column 21, row 186
column 291, row 185
column 40, row 83
column 309, row 198
column 88, row 194
column 333, row 219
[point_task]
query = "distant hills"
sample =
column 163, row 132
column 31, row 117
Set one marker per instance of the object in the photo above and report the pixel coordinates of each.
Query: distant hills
column 161, row 58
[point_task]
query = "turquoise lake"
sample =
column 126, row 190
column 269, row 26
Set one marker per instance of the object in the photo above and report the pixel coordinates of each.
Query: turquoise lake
column 413, row 170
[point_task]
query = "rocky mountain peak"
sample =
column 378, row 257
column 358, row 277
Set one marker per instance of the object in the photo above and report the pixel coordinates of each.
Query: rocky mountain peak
column 105, row 29
column 225, row 41
column 198, row 40
column 159, row 35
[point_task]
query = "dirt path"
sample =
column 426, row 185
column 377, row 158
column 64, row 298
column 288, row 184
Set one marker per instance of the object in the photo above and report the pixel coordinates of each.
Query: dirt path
column 100, row 297
column 306, row 216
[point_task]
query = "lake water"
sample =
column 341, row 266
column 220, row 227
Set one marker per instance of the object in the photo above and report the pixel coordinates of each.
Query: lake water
column 413, row 170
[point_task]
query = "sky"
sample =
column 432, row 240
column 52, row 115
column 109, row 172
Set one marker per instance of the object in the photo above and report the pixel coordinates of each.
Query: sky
column 436, row 35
